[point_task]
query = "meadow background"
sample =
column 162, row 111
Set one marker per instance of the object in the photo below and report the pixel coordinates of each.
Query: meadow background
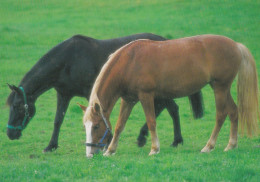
column 28, row 29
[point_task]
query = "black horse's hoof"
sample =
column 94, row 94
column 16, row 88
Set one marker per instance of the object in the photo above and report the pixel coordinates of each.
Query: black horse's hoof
column 50, row 148
column 141, row 141
column 175, row 143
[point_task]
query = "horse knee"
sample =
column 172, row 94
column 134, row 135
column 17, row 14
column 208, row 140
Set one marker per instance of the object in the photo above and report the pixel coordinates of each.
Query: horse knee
column 233, row 115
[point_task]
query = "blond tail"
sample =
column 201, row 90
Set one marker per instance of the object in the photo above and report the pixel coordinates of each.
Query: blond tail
column 247, row 88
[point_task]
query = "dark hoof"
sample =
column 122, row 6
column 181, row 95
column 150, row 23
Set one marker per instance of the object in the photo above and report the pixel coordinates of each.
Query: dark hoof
column 50, row 148
column 177, row 142
column 141, row 141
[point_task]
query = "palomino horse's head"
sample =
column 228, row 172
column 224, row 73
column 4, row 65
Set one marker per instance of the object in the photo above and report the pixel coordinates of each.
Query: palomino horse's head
column 98, row 133
column 22, row 109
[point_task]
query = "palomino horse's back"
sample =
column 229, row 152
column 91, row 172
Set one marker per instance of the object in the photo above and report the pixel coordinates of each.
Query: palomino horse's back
column 177, row 68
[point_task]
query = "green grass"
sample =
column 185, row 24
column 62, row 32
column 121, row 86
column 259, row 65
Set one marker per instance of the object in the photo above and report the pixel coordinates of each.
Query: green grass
column 28, row 29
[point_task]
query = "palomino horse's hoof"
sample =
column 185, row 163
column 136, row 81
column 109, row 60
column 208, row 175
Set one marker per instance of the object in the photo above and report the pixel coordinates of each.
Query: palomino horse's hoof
column 153, row 152
column 229, row 147
column 108, row 153
column 207, row 149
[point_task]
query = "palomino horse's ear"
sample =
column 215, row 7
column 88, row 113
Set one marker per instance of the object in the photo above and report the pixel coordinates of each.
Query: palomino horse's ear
column 84, row 108
column 97, row 107
column 14, row 88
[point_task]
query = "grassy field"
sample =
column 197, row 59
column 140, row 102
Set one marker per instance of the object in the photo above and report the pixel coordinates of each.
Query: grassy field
column 28, row 29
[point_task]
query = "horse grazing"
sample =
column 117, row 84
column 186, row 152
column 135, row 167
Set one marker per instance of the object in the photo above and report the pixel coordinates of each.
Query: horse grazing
column 71, row 68
column 144, row 70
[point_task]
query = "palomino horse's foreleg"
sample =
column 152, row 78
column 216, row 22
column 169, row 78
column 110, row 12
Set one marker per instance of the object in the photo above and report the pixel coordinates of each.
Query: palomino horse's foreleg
column 221, row 114
column 233, row 115
column 125, row 110
column 147, row 101
column 62, row 105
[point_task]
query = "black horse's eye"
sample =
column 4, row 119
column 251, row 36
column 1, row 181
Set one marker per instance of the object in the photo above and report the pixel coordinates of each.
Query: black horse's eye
column 96, row 126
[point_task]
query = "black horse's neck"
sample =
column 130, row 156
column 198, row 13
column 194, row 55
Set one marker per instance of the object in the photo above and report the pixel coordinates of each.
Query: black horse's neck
column 36, row 82
column 41, row 77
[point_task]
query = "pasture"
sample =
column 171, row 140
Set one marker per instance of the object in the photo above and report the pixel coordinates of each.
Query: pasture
column 28, row 29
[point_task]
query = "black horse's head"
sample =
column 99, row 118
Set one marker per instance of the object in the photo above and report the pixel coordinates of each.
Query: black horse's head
column 22, row 109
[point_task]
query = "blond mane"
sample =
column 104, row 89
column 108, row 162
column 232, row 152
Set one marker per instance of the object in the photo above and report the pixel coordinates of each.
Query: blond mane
column 93, row 96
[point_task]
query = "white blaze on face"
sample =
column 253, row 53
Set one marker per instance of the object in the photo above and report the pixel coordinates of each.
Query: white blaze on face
column 88, row 126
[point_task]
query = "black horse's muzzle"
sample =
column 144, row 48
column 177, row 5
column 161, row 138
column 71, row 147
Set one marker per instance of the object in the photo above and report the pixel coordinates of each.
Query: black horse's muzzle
column 13, row 134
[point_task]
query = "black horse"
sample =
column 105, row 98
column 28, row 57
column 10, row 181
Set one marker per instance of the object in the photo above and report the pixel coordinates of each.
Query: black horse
column 71, row 68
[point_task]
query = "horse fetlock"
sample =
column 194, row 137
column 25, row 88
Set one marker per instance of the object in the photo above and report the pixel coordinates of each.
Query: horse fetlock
column 176, row 142
column 50, row 148
column 141, row 140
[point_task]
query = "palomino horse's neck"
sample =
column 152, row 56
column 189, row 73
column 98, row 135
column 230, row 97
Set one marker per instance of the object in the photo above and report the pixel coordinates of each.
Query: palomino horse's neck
column 107, row 97
column 105, row 90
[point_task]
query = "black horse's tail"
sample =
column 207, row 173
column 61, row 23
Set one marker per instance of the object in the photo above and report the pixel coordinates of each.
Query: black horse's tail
column 196, row 101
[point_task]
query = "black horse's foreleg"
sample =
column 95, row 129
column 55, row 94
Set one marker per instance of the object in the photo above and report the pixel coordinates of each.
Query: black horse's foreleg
column 159, row 105
column 62, row 105
column 173, row 110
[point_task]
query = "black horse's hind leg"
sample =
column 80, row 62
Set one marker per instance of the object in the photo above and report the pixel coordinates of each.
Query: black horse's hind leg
column 173, row 110
column 62, row 105
column 141, row 140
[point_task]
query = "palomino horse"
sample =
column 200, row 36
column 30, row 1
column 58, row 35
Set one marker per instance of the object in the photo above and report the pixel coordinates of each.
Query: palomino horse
column 145, row 69
column 71, row 68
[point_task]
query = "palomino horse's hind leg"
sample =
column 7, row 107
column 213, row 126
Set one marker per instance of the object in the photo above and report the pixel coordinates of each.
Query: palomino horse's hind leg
column 221, row 97
column 233, row 115
column 147, row 101
column 125, row 110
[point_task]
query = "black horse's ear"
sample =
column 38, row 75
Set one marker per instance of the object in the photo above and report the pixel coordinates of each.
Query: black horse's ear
column 14, row 88
column 10, row 86
column 96, row 107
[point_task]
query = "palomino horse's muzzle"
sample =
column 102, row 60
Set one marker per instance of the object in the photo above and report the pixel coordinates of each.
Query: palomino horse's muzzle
column 100, row 144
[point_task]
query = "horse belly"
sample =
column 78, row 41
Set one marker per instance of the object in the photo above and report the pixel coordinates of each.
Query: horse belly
column 182, row 82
